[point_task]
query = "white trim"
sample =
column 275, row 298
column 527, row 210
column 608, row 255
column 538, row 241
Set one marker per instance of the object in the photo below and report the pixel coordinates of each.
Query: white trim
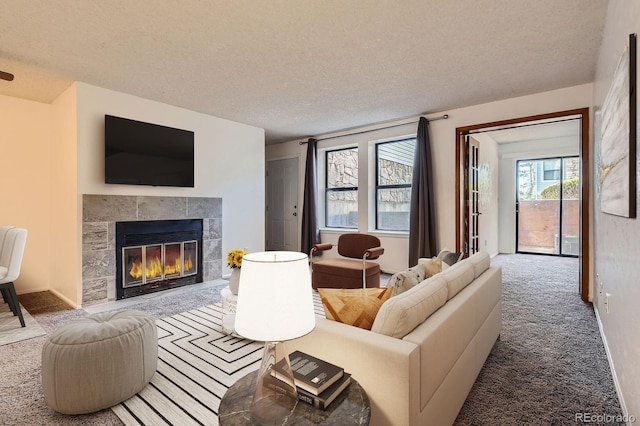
column 623, row 406
column 65, row 299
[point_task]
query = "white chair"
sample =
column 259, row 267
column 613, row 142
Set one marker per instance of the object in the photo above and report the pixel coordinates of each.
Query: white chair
column 11, row 254
column 3, row 233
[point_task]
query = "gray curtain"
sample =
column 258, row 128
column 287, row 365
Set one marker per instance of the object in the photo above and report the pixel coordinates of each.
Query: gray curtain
column 422, row 226
column 310, row 229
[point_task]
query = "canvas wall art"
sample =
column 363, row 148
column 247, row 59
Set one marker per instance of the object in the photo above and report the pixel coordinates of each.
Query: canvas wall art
column 618, row 138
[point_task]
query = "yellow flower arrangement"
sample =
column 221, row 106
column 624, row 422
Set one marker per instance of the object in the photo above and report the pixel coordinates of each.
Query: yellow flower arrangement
column 234, row 258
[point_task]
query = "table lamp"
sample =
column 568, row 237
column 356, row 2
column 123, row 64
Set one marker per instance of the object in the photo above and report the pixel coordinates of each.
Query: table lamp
column 275, row 304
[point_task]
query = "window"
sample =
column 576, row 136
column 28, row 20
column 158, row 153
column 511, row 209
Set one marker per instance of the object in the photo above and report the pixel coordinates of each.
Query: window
column 551, row 169
column 341, row 193
column 394, row 173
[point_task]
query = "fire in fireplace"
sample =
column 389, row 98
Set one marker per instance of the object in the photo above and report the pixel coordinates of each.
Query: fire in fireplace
column 156, row 255
column 155, row 262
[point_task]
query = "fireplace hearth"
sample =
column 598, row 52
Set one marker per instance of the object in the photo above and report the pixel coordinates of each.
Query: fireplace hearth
column 156, row 255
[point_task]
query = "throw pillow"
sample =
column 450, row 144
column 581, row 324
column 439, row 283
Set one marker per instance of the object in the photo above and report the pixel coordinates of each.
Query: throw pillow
column 353, row 306
column 449, row 258
column 431, row 266
column 404, row 280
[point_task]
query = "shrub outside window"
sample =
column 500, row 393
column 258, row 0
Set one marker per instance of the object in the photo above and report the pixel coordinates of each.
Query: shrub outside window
column 394, row 173
column 341, row 193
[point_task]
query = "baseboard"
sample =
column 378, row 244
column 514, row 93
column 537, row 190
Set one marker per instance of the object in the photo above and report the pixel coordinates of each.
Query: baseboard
column 65, row 299
column 623, row 406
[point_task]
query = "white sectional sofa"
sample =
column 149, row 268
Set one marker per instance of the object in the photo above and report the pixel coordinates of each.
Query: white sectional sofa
column 437, row 336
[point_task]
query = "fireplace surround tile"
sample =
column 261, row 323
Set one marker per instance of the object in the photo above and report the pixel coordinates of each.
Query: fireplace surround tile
column 95, row 236
column 161, row 208
column 98, row 264
column 111, row 235
column 212, row 268
column 213, row 228
column 109, row 208
column 94, row 291
column 212, row 249
column 101, row 212
column 204, row 207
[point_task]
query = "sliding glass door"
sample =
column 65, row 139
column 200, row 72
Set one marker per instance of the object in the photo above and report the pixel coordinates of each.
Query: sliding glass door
column 548, row 206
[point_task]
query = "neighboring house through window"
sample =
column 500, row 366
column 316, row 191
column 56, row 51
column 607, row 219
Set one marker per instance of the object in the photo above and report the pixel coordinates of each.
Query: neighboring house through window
column 341, row 188
column 551, row 169
column 394, row 173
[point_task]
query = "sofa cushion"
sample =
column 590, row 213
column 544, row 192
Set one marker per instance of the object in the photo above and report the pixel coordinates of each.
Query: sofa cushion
column 481, row 262
column 404, row 312
column 353, row 306
column 458, row 277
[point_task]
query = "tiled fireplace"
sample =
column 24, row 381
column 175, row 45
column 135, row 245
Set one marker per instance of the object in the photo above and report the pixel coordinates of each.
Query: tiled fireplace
column 139, row 244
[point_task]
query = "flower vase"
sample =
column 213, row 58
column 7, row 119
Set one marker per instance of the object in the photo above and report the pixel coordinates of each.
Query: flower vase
column 234, row 280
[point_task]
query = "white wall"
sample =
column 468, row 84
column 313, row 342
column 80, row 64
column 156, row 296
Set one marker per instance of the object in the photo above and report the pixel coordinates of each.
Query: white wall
column 617, row 239
column 58, row 152
column 25, row 151
column 229, row 160
column 443, row 143
column 509, row 154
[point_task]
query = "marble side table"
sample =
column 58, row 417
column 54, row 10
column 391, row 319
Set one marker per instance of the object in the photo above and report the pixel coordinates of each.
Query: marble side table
column 350, row 408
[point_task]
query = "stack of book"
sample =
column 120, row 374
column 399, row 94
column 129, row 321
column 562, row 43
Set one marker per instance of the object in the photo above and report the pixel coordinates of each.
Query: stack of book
column 318, row 382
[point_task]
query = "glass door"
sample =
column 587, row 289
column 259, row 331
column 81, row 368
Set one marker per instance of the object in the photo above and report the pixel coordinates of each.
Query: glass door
column 474, row 198
column 548, row 206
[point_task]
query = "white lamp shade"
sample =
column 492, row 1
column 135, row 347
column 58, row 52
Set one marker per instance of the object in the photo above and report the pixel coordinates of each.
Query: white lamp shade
column 275, row 302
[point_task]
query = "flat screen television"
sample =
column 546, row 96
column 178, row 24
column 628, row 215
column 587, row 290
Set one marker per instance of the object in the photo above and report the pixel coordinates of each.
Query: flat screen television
column 138, row 153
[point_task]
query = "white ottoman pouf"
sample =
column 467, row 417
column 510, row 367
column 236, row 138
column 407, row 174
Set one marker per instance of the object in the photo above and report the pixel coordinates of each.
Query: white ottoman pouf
column 98, row 361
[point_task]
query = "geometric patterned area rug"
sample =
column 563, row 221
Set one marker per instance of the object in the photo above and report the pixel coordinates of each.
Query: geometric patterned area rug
column 10, row 329
column 197, row 363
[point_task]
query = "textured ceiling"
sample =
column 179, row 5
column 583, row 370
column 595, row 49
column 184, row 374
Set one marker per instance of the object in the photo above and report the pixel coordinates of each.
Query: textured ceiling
column 301, row 67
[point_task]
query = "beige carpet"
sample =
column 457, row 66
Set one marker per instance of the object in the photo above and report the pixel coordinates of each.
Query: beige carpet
column 10, row 329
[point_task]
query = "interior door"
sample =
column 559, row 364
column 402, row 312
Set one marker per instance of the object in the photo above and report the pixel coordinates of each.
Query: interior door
column 474, row 196
column 470, row 188
column 282, row 205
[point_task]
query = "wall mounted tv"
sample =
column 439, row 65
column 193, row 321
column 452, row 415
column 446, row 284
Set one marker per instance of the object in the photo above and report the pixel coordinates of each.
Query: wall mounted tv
column 138, row 153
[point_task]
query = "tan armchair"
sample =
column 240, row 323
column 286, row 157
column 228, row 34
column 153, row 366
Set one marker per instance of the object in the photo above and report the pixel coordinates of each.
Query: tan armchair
column 346, row 271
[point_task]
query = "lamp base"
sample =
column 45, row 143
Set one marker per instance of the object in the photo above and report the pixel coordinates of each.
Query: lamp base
column 275, row 398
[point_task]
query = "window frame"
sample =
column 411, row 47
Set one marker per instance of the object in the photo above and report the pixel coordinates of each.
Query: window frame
column 378, row 186
column 327, row 190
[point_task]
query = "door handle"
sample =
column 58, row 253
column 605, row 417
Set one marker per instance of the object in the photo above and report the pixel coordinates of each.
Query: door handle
column 295, row 214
